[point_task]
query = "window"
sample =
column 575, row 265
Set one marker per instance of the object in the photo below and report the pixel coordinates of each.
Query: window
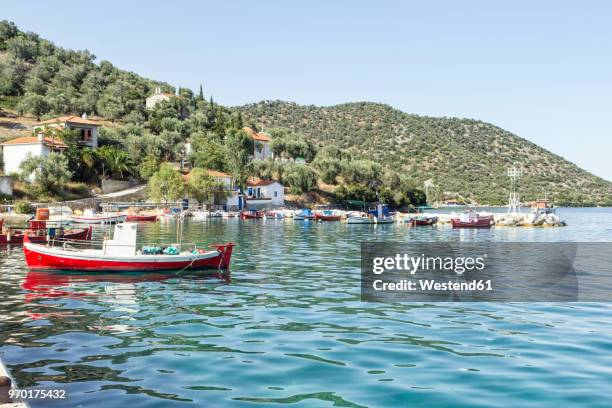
column 276, row 194
column 86, row 135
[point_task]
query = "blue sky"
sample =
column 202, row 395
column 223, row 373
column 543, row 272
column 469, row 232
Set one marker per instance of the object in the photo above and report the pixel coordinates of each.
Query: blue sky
column 542, row 70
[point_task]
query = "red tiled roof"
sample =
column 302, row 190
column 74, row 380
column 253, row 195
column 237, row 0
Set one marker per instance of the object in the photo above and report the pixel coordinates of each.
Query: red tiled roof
column 260, row 137
column 256, row 182
column 34, row 140
column 211, row 173
column 215, row 173
column 70, row 119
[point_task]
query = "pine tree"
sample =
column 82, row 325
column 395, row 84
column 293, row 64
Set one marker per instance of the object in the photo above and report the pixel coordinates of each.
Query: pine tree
column 201, row 95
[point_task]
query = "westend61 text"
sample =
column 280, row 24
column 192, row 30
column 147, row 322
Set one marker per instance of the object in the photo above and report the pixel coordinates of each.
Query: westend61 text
column 432, row 285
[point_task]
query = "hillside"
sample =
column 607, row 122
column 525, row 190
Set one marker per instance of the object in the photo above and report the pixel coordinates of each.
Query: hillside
column 462, row 156
column 41, row 79
column 465, row 159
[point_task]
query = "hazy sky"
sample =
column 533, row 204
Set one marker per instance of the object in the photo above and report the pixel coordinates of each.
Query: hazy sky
column 542, row 70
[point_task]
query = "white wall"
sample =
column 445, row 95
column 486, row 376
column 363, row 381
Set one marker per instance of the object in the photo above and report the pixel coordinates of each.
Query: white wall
column 153, row 100
column 275, row 191
column 14, row 155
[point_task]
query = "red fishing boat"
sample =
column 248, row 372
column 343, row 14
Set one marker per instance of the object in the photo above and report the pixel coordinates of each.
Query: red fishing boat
column 38, row 232
column 469, row 219
column 121, row 254
column 251, row 214
column 140, row 218
column 327, row 215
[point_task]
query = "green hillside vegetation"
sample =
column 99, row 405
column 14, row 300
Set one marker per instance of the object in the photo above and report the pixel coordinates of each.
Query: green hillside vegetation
column 358, row 151
column 464, row 158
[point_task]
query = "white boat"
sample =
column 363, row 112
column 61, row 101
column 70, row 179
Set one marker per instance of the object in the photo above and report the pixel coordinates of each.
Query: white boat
column 360, row 219
column 376, row 215
column 200, row 214
column 59, row 216
column 91, row 217
column 385, row 219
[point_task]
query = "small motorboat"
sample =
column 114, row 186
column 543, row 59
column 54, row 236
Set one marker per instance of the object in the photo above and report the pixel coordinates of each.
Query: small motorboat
column 470, row 219
column 423, row 220
column 361, row 219
column 58, row 216
column 141, row 217
column 200, row 214
column 121, row 254
column 378, row 214
column 91, row 217
column 251, row 214
column 327, row 215
column 38, row 232
column 303, row 214
column 274, row 215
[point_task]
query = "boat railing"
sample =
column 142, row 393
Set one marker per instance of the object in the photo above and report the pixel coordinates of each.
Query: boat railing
column 98, row 244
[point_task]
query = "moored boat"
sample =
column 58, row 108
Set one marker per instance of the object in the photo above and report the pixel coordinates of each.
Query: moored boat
column 40, row 233
column 423, row 220
column 140, row 217
column 91, row 217
column 470, row 219
column 378, row 214
column 274, row 215
column 327, row 215
column 303, row 214
column 122, row 254
column 360, row 219
column 251, row 214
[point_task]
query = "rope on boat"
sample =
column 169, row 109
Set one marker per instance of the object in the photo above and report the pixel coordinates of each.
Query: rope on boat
column 221, row 259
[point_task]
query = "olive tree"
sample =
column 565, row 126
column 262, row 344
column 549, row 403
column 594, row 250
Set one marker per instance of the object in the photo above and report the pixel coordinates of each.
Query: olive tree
column 166, row 185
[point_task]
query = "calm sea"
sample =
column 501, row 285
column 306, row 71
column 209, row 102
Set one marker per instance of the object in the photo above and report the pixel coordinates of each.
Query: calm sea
column 289, row 328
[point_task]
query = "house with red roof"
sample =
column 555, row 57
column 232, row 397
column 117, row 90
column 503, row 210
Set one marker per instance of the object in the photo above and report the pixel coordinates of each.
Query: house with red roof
column 17, row 150
column 262, row 144
column 87, row 129
column 264, row 193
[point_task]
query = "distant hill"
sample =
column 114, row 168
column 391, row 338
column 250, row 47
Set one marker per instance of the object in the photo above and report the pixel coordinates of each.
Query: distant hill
column 464, row 157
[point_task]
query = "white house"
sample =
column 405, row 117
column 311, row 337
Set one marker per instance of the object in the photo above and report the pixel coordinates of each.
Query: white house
column 157, row 97
column 15, row 151
column 264, row 193
column 87, row 128
column 262, row 144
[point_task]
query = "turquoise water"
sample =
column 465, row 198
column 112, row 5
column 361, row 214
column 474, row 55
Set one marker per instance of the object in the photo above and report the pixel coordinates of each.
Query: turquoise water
column 289, row 328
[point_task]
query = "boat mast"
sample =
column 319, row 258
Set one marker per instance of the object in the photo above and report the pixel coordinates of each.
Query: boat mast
column 514, row 204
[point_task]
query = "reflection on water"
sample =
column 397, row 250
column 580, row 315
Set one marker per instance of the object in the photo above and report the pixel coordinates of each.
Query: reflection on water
column 288, row 328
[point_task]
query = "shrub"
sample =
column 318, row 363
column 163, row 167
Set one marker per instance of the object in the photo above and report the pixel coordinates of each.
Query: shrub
column 23, row 207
